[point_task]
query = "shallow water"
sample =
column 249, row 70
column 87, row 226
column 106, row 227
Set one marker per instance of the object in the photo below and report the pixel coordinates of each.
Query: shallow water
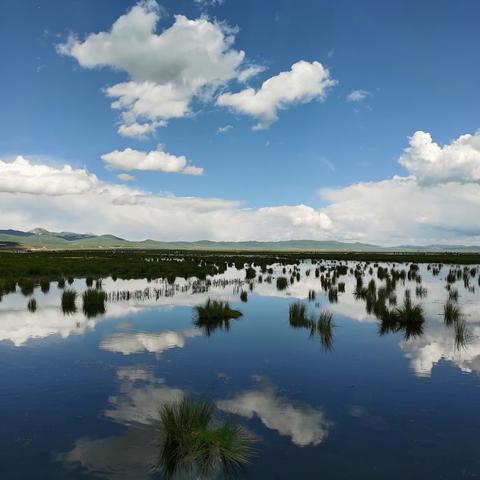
column 80, row 396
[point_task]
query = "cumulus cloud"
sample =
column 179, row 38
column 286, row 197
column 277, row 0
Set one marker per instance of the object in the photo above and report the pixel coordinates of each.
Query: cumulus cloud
column 305, row 81
column 129, row 343
column 458, row 161
column 357, row 95
column 303, row 424
column 191, row 58
column 158, row 160
column 395, row 211
column 135, row 214
column 22, row 176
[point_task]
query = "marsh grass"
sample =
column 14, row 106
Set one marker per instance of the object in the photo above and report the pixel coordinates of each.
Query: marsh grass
column 282, row 283
column 45, row 285
column 215, row 315
column 463, row 335
column 325, row 329
column 68, row 301
column 26, row 286
column 333, row 295
column 32, row 305
column 297, row 315
column 61, row 283
column 198, row 446
column 451, row 312
column 94, row 302
column 244, row 296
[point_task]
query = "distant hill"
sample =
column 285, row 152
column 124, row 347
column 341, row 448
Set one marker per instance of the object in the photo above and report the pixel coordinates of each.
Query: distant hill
column 41, row 239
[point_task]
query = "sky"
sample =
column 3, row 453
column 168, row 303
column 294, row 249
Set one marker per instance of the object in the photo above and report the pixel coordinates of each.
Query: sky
column 242, row 120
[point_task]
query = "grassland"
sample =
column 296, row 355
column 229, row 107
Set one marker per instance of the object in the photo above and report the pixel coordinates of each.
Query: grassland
column 183, row 263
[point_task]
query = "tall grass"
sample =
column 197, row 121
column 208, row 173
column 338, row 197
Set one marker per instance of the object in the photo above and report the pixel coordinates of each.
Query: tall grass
column 94, row 302
column 196, row 447
column 282, row 283
column 325, row 329
column 32, row 305
column 297, row 315
column 68, row 301
column 215, row 315
column 451, row 312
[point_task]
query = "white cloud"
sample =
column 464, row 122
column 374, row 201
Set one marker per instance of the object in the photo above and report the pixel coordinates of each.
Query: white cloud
column 156, row 160
column 22, row 176
column 357, row 95
column 305, row 81
column 303, row 424
column 224, row 129
column 135, row 214
column 139, row 130
column 129, row 343
column 395, row 211
column 191, row 58
column 125, row 177
column 458, row 161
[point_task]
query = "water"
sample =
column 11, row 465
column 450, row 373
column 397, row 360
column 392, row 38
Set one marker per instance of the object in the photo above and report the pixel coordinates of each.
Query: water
column 80, row 396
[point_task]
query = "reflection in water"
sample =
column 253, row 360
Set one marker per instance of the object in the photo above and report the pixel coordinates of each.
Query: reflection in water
column 298, row 318
column 94, row 302
column 215, row 315
column 305, row 425
column 199, row 445
column 128, row 343
column 133, row 454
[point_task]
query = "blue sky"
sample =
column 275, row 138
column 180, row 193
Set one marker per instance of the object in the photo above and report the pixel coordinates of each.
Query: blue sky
column 417, row 63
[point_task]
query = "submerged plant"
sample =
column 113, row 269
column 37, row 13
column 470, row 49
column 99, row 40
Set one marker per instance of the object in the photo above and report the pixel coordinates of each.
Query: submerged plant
column 94, row 302
column 194, row 445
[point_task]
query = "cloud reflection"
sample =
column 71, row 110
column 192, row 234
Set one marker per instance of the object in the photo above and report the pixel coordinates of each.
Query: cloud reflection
column 305, row 425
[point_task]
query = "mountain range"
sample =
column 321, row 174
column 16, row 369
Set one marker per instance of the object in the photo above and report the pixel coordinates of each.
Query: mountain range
column 41, row 239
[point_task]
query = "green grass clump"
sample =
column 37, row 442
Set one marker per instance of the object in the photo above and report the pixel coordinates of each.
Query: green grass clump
column 26, row 286
column 325, row 329
column 462, row 334
column 61, row 283
column 32, row 305
column 333, row 295
column 195, row 446
column 282, row 283
column 68, row 301
column 94, row 302
column 451, row 312
column 45, row 285
column 297, row 315
column 214, row 315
